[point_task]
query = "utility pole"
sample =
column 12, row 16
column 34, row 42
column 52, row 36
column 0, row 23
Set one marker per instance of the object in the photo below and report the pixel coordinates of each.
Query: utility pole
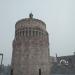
column 1, row 54
column 1, row 66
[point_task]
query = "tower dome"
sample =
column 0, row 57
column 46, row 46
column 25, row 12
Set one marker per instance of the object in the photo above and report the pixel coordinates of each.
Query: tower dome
column 30, row 22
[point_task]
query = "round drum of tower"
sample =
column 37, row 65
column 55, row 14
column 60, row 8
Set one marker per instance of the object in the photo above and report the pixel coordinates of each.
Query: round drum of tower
column 30, row 48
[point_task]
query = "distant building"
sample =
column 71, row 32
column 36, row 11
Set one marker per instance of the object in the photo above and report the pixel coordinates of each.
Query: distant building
column 64, row 65
column 5, row 70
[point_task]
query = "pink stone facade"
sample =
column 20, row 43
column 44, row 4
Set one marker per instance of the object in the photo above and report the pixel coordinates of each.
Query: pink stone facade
column 30, row 48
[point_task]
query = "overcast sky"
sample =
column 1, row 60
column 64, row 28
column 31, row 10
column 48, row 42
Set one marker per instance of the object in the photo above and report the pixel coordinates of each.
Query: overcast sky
column 59, row 16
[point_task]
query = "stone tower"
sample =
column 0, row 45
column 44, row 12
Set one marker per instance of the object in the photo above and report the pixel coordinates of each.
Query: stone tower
column 30, row 48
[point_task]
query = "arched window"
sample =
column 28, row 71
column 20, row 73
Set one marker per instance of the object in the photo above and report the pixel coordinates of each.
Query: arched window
column 39, row 33
column 20, row 33
column 23, row 33
column 26, row 33
column 29, row 32
column 42, row 33
column 33, row 33
column 36, row 33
